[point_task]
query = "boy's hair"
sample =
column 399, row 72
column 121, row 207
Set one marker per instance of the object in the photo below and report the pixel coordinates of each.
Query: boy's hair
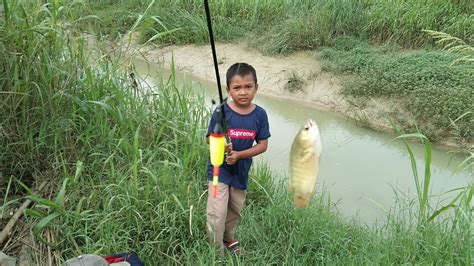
column 241, row 69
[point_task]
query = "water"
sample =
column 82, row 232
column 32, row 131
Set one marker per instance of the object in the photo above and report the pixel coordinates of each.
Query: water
column 360, row 168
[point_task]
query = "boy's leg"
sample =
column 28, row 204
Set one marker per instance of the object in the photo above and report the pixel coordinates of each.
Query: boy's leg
column 216, row 214
column 235, row 205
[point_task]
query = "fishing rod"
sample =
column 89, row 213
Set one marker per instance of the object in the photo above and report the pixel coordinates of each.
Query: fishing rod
column 218, row 137
column 213, row 48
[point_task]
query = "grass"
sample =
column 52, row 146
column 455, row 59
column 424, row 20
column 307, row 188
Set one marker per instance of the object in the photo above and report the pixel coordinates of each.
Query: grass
column 453, row 45
column 434, row 91
column 294, row 82
column 285, row 26
column 127, row 164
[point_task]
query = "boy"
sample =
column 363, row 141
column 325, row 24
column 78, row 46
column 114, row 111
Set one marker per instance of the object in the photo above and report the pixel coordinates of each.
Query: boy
column 247, row 123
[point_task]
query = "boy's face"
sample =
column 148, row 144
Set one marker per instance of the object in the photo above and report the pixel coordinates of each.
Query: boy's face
column 242, row 89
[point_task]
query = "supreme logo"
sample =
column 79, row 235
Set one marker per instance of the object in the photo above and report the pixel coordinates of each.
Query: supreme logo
column 235, row 133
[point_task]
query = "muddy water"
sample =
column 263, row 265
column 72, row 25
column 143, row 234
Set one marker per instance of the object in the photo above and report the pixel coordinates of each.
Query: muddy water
column 360, row 168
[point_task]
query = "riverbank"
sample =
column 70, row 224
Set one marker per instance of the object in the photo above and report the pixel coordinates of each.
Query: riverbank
column 364, row 63
column 297, row 76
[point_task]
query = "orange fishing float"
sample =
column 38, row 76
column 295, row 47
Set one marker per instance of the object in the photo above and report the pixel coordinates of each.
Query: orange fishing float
column 217, row 149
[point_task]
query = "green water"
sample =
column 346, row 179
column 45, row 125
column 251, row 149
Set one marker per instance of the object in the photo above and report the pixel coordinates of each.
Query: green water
column 360, row 168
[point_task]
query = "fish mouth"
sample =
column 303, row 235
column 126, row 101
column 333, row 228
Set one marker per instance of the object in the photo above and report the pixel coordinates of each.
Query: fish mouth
column 309, row 124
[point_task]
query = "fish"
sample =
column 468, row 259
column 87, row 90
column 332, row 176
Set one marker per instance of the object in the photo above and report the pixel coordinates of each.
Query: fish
column 304, row 165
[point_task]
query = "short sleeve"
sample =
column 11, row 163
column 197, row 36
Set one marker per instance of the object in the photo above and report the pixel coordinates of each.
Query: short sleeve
column 212, row 123
column 263, row 128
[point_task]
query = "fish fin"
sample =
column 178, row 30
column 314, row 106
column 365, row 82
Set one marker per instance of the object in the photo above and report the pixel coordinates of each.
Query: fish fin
column 301, row 202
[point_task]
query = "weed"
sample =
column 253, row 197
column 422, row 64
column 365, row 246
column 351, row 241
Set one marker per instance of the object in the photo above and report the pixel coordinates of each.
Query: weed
column 295, row 82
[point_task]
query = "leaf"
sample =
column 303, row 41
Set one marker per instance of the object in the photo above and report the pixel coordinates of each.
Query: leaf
column 47, row 203
column 441, row 210
column 161, row 34
column 41, row 225
column 34, row 213
column 6, row 10
column 79, row 165
column 60, row 197
column 79, row 206
column 28, row 190
column 140, row 18
column 104, row 105
column 447, row 207
column 427, row 180
column 86, row 17
column 177, row 201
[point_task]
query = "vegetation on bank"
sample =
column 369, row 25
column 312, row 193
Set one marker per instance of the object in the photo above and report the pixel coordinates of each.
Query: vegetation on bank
column 433, row 91
column 127, row 163
column 430, row 90
column 289, row 25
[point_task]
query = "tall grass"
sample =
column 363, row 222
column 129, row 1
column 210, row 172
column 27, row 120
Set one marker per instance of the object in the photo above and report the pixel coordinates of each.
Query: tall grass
column 453, row 45
column 402, row 21
column 283, row 26
column 312, row 24
column 128, row 164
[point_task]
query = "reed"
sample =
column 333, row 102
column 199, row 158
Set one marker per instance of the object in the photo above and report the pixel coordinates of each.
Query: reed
column 283, row 26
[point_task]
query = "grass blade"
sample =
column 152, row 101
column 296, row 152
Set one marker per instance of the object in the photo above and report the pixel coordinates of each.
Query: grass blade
column 60, row 197
column 41, row 225
column 447, row 207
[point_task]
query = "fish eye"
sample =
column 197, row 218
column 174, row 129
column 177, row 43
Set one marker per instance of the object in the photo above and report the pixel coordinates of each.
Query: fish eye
column 306, row 128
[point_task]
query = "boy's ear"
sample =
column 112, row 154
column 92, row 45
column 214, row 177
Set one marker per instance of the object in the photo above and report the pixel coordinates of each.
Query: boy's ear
column 256, row 86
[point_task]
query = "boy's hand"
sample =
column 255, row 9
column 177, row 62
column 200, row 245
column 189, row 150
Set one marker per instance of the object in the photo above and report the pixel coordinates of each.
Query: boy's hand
column 228, row 147
column 232, row 157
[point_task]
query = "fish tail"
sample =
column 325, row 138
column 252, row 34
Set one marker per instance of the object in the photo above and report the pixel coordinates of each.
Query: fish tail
column 301, row 202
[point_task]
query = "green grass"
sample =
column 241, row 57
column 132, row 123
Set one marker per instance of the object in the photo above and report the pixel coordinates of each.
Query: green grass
column 128, row 167
column 402, row 21
column 284, row 26
column 434, row 91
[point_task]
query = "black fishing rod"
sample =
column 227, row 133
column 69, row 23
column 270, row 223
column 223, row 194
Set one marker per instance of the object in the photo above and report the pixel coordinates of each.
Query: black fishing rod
column 216, row 66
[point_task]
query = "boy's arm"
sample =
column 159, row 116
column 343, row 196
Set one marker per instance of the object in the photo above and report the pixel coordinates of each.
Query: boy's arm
column 257, row 149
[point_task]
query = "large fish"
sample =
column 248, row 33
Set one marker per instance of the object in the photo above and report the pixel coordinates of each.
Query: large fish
column 304, row 163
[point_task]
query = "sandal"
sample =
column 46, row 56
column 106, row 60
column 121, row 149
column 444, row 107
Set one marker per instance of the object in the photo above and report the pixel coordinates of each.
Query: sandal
column 233, row 246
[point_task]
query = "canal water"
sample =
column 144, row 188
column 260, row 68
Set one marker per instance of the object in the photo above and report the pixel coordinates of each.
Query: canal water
column 360, row 169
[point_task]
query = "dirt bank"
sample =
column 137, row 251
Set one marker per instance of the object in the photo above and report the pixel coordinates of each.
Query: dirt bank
column 297, row 76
